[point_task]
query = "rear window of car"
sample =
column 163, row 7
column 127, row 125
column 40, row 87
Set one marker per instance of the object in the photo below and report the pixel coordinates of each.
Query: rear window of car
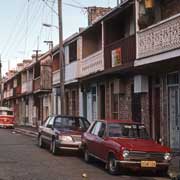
column 128, row 131
column 71, row 123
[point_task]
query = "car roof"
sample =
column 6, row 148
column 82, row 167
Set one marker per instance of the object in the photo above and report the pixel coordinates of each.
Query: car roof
column 119, row 121
column 68, row 116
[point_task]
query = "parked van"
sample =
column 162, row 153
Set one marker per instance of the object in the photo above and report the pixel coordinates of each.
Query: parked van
column 6, row 117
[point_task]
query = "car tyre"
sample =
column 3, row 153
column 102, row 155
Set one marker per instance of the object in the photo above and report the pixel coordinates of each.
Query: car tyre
column 113, row 167
column 40, row 142
column 53, row 147
column 87, row 157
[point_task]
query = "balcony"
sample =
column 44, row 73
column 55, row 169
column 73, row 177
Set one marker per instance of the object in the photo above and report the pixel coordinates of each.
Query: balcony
column 29, row 86
column 159, row 38
column 126, row 49
column 92, row 64
column 42, row 83
column 24, row 87
column 71, row 71
column 56, row 77
column 18, row 90
column 36, row 84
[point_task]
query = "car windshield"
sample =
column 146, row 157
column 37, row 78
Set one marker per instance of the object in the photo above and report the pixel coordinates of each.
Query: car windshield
column 70, row 123
column 3, row 112
column 128, row 131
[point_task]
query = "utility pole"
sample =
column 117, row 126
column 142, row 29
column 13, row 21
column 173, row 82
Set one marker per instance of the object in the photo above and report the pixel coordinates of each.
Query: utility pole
column 61, row 57
column 37, row 53
column 117, row 2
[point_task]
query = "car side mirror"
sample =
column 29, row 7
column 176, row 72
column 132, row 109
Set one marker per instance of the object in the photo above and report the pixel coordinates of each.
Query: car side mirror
column 101, row 134
column 49, row 126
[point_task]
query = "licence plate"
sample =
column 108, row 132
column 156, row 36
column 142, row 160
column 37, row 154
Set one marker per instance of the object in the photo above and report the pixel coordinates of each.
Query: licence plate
column 148, row 163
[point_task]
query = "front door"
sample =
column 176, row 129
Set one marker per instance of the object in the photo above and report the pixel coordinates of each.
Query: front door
column 174, row 117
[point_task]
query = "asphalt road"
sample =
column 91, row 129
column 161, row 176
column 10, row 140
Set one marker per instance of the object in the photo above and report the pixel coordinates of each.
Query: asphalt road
column 22, row 159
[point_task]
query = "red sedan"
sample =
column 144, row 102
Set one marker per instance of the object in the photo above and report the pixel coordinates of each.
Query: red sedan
column 124, row 145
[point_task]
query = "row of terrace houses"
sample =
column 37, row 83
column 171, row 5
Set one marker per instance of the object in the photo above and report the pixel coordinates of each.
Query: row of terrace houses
column 124, row 65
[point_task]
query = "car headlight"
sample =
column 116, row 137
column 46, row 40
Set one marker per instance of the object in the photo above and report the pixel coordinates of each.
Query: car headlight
column 65, row 138
column 125, row 153
column 167, row 156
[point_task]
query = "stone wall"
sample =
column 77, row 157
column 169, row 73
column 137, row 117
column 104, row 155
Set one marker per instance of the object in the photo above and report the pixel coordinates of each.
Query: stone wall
column 170, row 8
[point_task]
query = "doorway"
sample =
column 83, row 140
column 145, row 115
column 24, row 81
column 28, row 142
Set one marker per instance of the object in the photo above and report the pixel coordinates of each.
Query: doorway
column 102, row 102
column 174, row 117
column 157, row 113
column 174, row 109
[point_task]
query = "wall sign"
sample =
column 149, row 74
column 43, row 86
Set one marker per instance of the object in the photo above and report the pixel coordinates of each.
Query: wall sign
column 116, row 57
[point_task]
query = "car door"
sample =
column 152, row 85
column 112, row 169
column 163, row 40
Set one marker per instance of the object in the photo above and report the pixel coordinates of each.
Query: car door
column 100, row 150
column 91, row 141
column 42, row 129
column 48, row 130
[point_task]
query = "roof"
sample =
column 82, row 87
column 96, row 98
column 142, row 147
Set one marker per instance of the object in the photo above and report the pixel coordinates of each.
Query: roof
column 105, row 17
column 3, row 108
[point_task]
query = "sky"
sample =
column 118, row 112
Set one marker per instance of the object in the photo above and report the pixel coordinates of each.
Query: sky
column 21, row 29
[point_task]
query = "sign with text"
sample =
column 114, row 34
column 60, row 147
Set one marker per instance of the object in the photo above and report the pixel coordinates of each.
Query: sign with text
column 116, row 57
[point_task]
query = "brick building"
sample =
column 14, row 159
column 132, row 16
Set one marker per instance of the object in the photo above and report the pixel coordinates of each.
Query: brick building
column 157, row 67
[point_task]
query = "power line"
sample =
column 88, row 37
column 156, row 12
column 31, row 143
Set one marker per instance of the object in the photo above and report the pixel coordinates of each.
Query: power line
column 17, row 34
column 50, row 7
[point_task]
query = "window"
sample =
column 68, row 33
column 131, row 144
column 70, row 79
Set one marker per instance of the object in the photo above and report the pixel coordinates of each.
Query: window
column 46, row 121
column 6, row 112
column 96, row 128
column 102, row 130
column 173, row 79
column 128, row 131
column 114, row 103
column 51, row 121
column 73, row 51
column 86, row 123
column 67, row 123
column 74, row 102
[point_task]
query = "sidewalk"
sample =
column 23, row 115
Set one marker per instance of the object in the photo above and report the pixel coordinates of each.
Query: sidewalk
column 174, row 168
column 27, row 130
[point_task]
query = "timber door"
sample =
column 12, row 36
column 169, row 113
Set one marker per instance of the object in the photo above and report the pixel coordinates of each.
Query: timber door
column 174, row 117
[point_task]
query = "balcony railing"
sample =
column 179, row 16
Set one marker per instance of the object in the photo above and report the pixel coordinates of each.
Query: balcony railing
column 92, row 64
column 71, row 71
column 29, row 86
column 24, row 87
column 56, row 77
column 36, row 84
column 127, row 51
column 18, row 90
column 158, row 38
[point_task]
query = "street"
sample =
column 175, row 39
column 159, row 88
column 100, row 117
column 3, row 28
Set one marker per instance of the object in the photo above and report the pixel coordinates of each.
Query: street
column 22, row 159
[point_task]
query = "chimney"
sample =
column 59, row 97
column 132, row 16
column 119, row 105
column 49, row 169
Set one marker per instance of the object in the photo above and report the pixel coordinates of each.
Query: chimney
column 19, row 66
column 94, row 13
column 26, row 62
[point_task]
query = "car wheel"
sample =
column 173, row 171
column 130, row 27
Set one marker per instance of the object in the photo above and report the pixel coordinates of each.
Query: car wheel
column 112, row 165
column 53, row 148
column 87, row 157
column 40, row 142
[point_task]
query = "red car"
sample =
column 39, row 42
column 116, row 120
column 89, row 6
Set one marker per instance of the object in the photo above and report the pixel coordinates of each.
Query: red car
column 124, row 145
